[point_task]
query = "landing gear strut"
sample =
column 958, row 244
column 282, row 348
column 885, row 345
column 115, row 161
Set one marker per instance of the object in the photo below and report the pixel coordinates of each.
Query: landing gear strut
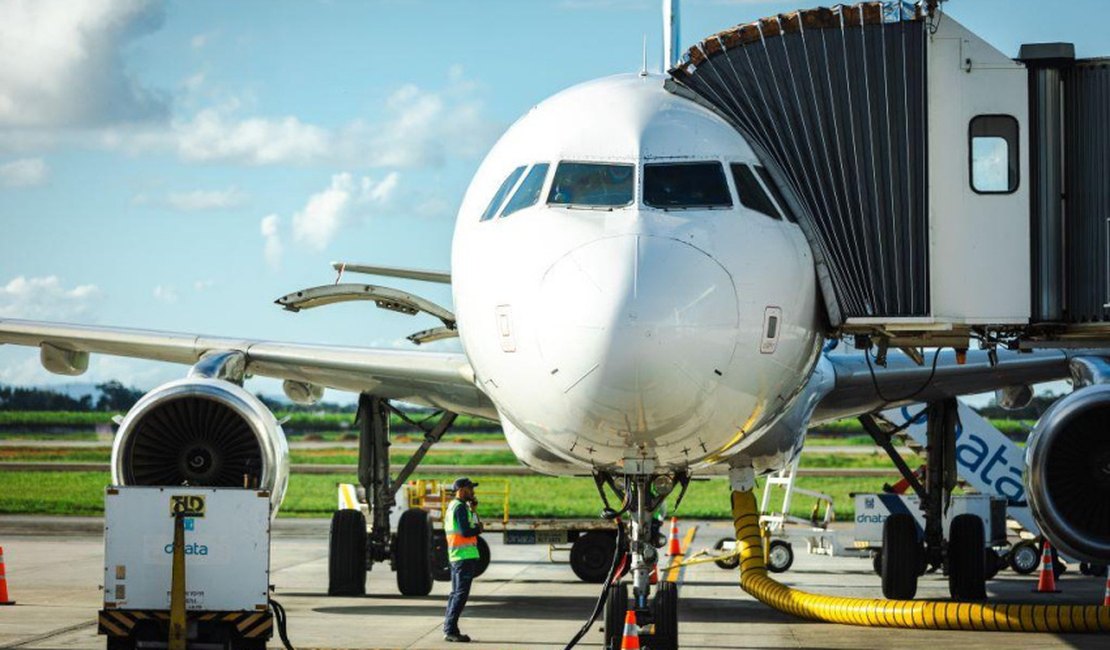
column 906, row 554
column 354, row 546
column 658, row 615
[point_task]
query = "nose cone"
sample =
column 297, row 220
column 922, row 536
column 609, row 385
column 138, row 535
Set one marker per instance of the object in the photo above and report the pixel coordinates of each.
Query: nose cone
column 636, row 333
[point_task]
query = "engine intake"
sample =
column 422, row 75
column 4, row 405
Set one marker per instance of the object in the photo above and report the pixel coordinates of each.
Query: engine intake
column 1068, row 474
column 202, row 432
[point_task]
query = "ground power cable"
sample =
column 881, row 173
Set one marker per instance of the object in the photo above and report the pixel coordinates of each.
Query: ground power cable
column 281, row 620
column 620, row 559
column 910, row 614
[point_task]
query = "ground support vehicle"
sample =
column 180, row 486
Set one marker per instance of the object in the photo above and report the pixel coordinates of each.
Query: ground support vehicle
column 186, row 565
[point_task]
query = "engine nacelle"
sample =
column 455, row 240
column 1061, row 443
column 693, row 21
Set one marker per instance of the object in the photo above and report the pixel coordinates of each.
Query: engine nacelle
column 202, row 432
column 1068, row 474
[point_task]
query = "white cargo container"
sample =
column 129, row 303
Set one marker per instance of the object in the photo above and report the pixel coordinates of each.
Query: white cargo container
column 873, row 509
column 227, row 548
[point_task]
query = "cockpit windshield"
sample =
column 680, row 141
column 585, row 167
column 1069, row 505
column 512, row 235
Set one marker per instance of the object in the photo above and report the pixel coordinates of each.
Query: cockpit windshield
column 686, row 185
column 592, row 185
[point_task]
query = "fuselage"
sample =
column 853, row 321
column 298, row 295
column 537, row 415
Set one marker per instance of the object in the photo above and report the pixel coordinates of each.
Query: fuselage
column 627, row 285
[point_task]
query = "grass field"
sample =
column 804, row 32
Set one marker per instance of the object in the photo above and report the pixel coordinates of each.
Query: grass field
column 82, row 493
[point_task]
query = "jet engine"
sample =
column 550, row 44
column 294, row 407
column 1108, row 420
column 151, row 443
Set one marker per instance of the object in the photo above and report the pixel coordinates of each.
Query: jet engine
column 202, row 432
column 1068, row 474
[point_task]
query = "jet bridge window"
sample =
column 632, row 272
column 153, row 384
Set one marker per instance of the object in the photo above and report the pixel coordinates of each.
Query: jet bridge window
column 993, row 154
column 591, row 185
column 529, row 191
column 502, row 192
column 686, row 185
column 752, row 194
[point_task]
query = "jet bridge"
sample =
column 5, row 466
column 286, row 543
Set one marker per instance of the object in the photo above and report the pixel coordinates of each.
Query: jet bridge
column 947, row 190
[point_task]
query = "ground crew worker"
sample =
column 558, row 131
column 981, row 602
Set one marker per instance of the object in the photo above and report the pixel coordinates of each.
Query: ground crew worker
column 462, row 527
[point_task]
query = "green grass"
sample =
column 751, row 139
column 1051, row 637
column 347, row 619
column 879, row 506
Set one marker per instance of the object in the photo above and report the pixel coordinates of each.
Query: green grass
column 58, row 437
column 82, row 493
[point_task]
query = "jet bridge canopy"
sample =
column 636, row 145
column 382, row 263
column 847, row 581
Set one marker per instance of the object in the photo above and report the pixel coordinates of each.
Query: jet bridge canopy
column 925, row 168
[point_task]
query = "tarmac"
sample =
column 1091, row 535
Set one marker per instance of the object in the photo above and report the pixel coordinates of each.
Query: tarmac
column 54, row 569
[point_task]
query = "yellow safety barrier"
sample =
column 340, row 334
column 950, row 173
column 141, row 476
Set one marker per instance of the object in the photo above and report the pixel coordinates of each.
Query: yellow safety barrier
column 917, row 614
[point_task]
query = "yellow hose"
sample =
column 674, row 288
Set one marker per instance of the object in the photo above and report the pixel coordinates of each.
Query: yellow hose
column 915, row 614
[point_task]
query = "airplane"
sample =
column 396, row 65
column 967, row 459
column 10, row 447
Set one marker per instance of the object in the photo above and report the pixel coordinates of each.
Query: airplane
column 636, row 302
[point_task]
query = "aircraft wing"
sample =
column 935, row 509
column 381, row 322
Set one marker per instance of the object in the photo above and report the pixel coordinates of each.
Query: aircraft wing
column 436, row 379
column 857, row 388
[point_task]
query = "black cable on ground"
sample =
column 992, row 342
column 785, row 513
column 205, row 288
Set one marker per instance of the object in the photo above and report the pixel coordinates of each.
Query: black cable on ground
column 281, row 620
column 615, row 571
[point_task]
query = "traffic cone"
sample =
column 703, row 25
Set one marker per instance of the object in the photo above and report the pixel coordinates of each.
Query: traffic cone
column 673, row 547
column 630, row 640
column 1106, row 595
column 1046, row 582
column 3, row 582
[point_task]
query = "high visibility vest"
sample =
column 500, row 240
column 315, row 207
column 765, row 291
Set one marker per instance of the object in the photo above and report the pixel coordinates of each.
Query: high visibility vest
column 459, row 547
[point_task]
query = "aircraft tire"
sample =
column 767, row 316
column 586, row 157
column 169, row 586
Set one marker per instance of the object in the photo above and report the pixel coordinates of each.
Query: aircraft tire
column 966, row 574
column 901, row 557
column 412, row 558
column 666, row 618
column 347, row 554
column 616, row 604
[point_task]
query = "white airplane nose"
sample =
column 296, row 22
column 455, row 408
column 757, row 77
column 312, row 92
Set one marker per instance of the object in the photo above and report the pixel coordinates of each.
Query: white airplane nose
column 637, row 332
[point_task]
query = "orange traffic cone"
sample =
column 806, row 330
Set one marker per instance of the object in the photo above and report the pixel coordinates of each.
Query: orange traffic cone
column 1046, row 583
column 673, row 547
column 1106, row 595
column 3, row 582
column 630, row 640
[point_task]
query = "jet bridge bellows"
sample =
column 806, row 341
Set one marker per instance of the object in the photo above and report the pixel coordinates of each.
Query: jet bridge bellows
column 836, row 97
column 947, row 190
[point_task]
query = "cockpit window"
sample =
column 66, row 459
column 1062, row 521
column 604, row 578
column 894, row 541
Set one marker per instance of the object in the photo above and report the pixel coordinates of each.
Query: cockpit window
column 591, row 185
column 776, row 192
column 751, row 192
column 686, row 185
column 528, row 192
column 499, row 197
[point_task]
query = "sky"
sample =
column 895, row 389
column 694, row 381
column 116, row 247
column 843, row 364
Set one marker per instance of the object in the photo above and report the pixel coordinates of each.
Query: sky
column 181, row 165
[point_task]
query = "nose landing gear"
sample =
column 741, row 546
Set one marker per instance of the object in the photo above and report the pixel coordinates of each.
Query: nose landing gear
column 656, row 614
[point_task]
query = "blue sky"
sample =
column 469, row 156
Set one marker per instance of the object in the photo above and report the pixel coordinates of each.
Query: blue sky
column 179, row 166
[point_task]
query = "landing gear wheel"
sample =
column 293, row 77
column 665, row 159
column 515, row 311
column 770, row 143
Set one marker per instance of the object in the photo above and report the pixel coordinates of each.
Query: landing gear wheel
column 1025, row 557
column 780, row 555
column 441, row 565
column 483, row 558
column 347, row 554
column 666, row 618
column 616, row 604
column 877, row 562
column 412, row 558
column 901, row 557
column 729, row 563
column 591, row 556
column 967, row 576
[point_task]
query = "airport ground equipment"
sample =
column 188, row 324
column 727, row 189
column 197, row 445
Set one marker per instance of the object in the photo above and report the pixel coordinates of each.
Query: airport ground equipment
column 188, row 564
column 927, row 169
column 919, row 614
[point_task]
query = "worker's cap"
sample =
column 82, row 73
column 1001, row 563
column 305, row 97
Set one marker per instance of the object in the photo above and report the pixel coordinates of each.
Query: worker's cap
column 463, row 482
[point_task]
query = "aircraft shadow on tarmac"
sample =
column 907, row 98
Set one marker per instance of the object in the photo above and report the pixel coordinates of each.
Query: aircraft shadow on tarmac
column 566, row 608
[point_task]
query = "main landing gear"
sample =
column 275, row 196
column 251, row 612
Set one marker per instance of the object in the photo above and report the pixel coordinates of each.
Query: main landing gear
column 908, row 551
column 656, row 614
column 355, row 546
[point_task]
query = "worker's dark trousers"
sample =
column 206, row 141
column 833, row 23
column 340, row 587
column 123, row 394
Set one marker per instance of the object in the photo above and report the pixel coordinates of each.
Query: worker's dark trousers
column 462, row 574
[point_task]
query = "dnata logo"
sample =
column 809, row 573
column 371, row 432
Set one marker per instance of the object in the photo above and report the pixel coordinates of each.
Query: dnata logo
column 190, row 549
column 870, row 519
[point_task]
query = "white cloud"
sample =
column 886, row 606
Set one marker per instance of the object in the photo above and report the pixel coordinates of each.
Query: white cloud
column 60, row 62
column 197, row 200
column 44, row 298
column 203, row 285
column 344, row 199
column 165, row 294
column 215, row 135
column 273, row 248
column 200, row 41
column 24, row 172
